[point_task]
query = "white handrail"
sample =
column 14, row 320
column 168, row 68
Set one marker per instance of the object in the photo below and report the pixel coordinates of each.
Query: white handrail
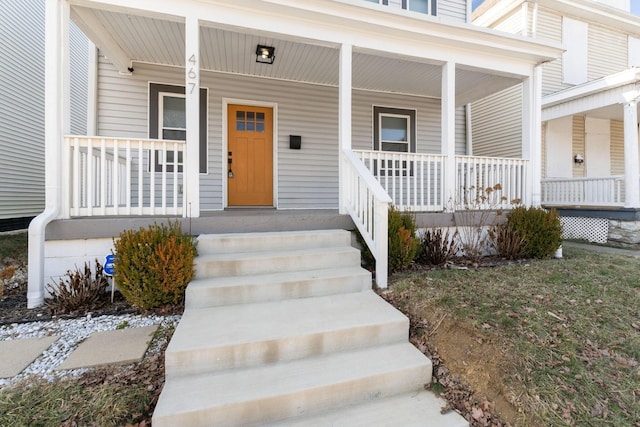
column 368, row 205
column 119, row 176
column 584, row 191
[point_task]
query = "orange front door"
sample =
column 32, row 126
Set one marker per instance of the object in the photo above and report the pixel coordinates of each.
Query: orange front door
column 250, row 156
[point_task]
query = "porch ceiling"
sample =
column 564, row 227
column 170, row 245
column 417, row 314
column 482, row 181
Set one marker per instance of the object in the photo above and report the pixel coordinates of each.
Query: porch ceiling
column 230, row 50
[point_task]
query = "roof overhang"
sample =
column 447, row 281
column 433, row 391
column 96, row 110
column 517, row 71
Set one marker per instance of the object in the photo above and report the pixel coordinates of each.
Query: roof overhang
column 488, row 59
column 604, row 96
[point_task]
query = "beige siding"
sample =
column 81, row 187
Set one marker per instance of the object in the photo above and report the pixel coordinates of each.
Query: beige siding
column 453, row 9
column 578, row 146
column 607, row 51
column 549, row 27
column 617, row 147
column 497, row 124
column 511, row 23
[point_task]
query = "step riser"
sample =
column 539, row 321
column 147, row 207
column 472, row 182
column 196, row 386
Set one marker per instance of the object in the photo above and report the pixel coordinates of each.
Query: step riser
column 305, row 402
column 264, row 265
column 251, row 293
column 178, row 363
column 257, row 242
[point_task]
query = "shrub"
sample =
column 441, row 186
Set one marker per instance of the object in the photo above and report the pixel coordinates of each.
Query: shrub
column 79, row 290
column 507, row 242
column 403, row 244
column 154, row 265
column 436, row 247
column 540, row 229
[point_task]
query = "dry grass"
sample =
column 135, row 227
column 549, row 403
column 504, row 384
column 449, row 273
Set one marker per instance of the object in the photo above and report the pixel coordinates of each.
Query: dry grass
column 570, row 329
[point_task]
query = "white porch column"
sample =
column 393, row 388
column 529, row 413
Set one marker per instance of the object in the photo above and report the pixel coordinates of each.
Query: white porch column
column 56, row 124
column 344, row 115
column 532, row 136
column 192, row 106
column 631, row 166
column 448, row 130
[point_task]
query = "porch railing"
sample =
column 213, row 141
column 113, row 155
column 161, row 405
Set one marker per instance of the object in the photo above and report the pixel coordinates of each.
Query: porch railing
column 413, row 181
column 367, row 203
column 490, row 182
column 605, row 191
column 124, row 176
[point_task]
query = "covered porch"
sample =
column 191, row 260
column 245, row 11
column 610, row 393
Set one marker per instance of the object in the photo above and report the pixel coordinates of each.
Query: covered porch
column 339, row 71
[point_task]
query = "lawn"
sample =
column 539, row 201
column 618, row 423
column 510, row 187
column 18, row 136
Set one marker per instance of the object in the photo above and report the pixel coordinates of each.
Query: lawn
column 554, row 343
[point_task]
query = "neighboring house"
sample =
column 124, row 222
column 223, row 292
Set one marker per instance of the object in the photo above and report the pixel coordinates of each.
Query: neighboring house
column 22, row 163
column 590, row 168
column 301, row 110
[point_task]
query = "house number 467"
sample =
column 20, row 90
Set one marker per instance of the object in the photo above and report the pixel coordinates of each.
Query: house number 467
column 192, row 75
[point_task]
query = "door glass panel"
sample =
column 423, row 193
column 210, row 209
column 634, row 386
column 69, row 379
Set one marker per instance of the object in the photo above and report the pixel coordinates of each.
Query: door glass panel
column 250, row 121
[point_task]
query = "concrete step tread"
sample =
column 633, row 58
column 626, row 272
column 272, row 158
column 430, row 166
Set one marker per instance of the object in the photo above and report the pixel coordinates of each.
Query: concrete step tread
column 226, row 326
column 295, row 380
column 273, row 253
column 278, row 277
column 255, row 242
column 417, row 409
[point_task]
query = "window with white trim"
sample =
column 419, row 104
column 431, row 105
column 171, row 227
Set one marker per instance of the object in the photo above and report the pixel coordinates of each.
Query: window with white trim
column 394, row 130
column 428, row 7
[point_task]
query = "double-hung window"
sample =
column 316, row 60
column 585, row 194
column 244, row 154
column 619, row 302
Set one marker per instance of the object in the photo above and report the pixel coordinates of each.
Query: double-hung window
column 394, row 130
column 172, row 122
column 428, row 7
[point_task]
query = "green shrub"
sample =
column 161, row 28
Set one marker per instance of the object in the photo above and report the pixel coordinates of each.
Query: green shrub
column 154, row 265
column 507, row 242
column 79, row 290
column 403, row 244
column 540, row 229
column 436, row 247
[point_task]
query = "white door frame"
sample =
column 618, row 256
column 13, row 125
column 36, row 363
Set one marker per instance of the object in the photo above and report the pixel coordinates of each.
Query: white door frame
column 225, row 143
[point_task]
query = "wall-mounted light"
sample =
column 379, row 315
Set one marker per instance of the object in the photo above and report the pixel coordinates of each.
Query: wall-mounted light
column 578, row 159
column 265, row 54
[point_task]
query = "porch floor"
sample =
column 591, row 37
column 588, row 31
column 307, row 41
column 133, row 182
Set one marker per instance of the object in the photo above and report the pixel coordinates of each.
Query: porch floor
column 233, row 220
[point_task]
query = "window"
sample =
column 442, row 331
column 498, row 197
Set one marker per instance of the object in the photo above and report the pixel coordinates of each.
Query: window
column 167, row 120
column 428, row 7
column 394, row 130
column 249, row 121
column 574, row 59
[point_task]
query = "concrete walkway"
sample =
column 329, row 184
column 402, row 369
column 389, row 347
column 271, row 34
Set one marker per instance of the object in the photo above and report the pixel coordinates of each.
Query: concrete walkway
column 603, row 249
column 120, row 346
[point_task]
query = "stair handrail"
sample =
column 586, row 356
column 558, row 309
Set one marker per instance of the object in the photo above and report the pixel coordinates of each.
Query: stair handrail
column 368, row 205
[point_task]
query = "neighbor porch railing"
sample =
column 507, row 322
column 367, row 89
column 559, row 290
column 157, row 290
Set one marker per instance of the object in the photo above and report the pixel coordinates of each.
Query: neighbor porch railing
column 368, row 204
column 125, row 176
column 605, row 191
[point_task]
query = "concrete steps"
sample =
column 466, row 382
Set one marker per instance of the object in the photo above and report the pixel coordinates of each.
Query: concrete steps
column 284, row 328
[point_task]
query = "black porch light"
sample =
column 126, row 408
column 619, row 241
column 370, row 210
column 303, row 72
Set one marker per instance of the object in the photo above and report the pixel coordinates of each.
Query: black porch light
column 265, row 54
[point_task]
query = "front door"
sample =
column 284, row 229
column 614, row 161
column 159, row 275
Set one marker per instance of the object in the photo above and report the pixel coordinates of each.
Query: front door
column 250, row 156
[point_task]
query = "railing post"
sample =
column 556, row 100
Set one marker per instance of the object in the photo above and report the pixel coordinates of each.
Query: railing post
column 382, row 246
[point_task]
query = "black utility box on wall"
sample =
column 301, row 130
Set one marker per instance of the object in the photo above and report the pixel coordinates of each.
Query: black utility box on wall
column 295, row 142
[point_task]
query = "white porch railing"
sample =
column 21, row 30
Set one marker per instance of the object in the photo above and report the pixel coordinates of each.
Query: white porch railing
column 368, row 204
column 413, row 181
column 506, row 177
column 605, row 191
column 124, row 176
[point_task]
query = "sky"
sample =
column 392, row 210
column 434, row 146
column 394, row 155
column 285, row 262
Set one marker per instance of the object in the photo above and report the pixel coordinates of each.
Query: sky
column 635, row 5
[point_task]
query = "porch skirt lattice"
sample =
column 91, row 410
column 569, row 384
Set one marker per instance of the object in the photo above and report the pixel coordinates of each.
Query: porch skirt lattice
column 595, row 230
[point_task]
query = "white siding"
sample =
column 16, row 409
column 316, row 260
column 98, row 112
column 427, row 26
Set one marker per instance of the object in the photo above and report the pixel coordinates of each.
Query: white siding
column 453, row 9
column 607, row 51
column 617, row 147
column 496, row 124
column 511, row 23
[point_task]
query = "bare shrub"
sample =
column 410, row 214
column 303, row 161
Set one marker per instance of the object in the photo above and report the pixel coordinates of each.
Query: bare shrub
column 79, row 290
column 507, row 242
column 436, row 247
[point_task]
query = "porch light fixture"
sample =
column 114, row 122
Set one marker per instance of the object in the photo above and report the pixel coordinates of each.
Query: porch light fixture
column 578, row 159
column 265, row 54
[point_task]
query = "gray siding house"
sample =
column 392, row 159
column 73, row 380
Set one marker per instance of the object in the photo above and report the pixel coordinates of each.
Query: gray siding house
column 22, row 163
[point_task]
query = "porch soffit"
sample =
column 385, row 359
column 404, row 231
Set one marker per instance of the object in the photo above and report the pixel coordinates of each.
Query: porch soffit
column 161, row 41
